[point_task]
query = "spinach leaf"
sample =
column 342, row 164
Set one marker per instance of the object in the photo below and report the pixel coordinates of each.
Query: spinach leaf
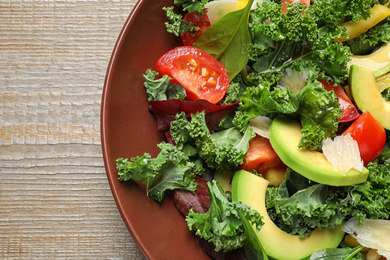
column 228, row 39
column 337, row 254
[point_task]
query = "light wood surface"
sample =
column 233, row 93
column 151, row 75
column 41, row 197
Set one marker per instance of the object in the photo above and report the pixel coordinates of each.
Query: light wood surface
column 55, row 200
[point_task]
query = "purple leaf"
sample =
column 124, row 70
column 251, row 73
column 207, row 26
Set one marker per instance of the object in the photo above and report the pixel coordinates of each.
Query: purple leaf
column 200, row 201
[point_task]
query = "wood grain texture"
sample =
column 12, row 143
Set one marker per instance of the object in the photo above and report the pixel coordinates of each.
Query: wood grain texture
column 55, row 200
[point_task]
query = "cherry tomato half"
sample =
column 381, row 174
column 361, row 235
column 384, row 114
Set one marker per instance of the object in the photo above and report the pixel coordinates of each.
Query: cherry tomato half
column 201, row 75
column 201, row 23
column 285, row 2
column 370, row 136
column 349, row 110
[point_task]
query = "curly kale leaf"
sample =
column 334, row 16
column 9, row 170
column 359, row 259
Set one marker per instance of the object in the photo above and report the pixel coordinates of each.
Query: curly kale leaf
column 317, row 109
column 280, row 41
column 224, row 223
column 235, row 90
column 319, row 113
column 162, row 88
column 261, row 100
column 171, row 169
column 298, row 206
column 176, row 24
column 336, row 12
column 191, row 6
column 330, row 61
column 384, row 157
column 221, row 150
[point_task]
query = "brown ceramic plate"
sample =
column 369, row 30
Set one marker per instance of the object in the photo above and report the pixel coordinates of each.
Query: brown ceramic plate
column 128, row 130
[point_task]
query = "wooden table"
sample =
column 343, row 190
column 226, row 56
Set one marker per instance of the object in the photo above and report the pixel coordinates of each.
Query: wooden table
column 55, row 200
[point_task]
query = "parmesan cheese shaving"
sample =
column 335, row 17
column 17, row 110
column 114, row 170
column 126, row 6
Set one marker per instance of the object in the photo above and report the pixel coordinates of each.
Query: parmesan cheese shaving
column 343, row 153
column 372, row 233
column 260, row 125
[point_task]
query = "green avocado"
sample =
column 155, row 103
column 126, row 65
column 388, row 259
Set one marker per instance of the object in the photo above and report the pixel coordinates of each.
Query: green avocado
column 251, row 190
column 224, row 179
column 367, row 96
column 378, row 61
column 285, row 134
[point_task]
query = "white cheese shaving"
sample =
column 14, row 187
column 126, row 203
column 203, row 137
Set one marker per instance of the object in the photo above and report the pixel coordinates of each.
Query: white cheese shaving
column 260, row 125
column 343, row 153
column 372, row 233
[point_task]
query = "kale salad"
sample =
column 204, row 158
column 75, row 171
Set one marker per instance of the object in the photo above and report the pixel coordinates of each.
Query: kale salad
column 277, row 119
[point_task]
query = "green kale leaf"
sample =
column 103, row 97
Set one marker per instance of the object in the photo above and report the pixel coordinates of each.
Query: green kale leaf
column 162, row 88
column 317, row 109
column 171, row 169
column 224, row 223
column 279, row 41
column 222, row 150
column 235, row 90
column 191, row 6
column 176, row 24
column 262, row 100
column 298, row 209
column 319, row 114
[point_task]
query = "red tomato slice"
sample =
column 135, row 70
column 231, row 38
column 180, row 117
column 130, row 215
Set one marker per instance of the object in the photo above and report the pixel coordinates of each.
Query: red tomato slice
column 261, row 156
column 285, row 2
column 202, row 76
column 370, row 136
column 349, row 110
column 201, row 23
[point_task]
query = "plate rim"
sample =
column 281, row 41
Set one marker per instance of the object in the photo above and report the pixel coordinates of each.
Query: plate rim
column 103, row 130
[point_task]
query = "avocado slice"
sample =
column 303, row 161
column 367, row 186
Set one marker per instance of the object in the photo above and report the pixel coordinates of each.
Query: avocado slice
column 251, row 190
column 285, row 134
column 224, row 179
column 367, row 96
column 378, row 61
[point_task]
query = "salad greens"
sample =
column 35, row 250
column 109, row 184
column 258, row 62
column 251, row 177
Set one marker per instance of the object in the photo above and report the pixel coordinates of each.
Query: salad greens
column 284, row 43
column 222, row 150
column 274, row 62
column 224, row 223
column 171, row 169
column 162, row 88
column 177, row 25
column 298, row 205
column 191, row 6
column 318, row 124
